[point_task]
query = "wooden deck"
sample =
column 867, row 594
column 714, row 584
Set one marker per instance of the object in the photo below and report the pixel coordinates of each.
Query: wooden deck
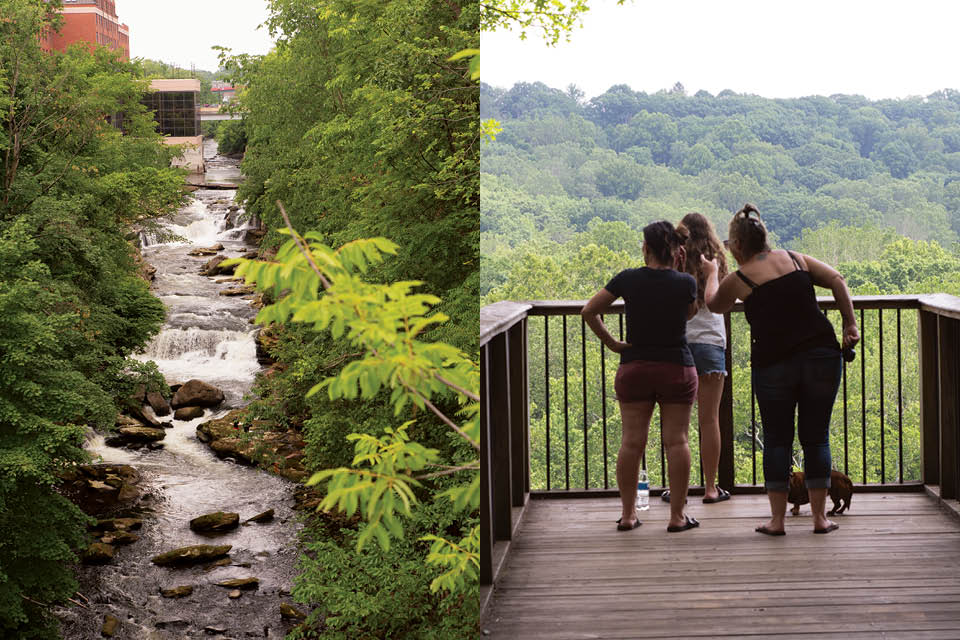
column 892, row 570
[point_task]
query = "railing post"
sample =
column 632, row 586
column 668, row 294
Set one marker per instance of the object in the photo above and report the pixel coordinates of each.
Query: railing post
column 949, row 341
column 726, row 475
column 519, row 433
column 929, row 397
column 500, row 443
column 486, row 473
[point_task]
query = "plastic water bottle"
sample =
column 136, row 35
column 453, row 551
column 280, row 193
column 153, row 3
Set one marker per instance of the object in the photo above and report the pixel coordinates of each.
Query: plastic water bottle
column 643, row 491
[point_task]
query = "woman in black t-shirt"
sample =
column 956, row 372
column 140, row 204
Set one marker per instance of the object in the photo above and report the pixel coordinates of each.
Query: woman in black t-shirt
column 794, row 354
column 656, row 366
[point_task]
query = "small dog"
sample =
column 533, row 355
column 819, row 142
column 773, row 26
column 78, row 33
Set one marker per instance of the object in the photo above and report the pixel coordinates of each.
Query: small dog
column 840, row 491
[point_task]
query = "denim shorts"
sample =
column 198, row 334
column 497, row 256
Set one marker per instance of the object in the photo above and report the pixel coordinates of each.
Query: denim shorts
column 709, row 358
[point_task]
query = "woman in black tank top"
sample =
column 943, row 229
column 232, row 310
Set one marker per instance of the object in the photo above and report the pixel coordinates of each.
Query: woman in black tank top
column 794, row 354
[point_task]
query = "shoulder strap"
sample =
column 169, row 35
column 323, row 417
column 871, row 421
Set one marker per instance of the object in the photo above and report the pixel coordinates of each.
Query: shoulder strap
column 794, row 258
column 750, row 283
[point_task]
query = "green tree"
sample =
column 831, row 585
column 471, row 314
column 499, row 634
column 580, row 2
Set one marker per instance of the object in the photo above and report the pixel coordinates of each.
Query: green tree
column 71, row 304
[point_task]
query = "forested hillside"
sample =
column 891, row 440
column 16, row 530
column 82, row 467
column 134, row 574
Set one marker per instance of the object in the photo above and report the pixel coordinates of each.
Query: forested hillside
column 872, row 187
column 564, row 168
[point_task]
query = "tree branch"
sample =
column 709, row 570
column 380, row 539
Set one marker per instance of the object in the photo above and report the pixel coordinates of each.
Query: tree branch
column 303, row 247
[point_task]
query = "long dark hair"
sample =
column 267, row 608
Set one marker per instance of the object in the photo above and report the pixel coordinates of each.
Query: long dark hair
column 662, row 241
column 700, row 239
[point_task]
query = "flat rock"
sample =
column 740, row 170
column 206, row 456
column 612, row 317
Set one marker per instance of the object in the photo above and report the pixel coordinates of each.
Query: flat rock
column 177, row 592
column 119, row 524
column 290, row 612
column 141, row 434
column 240, row 583
column 194, row 554
column 233, row 595
column 266, row 516
column 110, row 626
column 222, row 562
column 214, row 631
column 238, row 291
column 196, row 393
column 119, row 537
column 188, row 413
column 215, row 522
column 97, row 553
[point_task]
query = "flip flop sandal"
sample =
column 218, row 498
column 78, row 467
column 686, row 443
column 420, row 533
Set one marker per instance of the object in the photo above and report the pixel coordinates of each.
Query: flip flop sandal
column 770, row 532
column 665, row 496
column 626, row 527
column 833, row 527
column 722, row 495
column 689, row 524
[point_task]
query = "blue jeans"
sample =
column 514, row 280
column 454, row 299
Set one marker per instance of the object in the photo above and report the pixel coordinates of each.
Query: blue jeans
column 807, row 384
column 708, row 358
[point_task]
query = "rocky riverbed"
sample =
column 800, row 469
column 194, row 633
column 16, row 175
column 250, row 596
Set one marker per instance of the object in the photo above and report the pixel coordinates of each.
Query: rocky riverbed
column 155, row 479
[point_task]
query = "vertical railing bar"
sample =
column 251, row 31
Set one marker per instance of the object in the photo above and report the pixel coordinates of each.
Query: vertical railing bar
column 846, row 431
column 566, row 411
column 863, row 402
column 663, row 462
column 883, row 450
column 753, row 430
column 546, row 385
column 583, row 371
column 603, row 410
column 899, row 401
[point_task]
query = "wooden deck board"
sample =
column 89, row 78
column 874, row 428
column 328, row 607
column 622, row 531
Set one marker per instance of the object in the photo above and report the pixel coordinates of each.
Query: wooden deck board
column 892, row 570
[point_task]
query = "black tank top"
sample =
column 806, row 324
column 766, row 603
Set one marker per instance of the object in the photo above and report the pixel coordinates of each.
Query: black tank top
column 784, row 318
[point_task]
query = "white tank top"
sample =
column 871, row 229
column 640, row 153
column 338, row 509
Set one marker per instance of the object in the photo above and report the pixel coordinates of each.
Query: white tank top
column 706, row 328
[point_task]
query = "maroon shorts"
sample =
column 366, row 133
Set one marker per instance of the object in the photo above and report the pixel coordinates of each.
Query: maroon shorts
column 649, row 381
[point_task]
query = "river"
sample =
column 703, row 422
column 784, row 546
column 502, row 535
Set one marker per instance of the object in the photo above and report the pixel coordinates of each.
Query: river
column 209, row 337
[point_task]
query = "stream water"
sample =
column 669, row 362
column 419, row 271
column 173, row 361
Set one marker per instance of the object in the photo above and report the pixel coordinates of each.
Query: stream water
column 209, row 337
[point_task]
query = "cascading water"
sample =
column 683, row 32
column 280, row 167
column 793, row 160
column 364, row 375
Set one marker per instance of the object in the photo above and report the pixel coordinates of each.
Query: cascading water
column 208, row 337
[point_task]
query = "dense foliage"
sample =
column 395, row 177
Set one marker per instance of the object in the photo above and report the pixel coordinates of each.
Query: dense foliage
column 71, row 303
column 870, row 187
column 361, row 124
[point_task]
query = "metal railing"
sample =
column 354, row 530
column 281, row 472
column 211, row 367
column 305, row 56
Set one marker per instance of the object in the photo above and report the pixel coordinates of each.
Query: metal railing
column 550, row 425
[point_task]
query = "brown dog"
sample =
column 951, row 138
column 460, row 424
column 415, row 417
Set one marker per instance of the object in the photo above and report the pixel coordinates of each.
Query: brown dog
column 841, row 490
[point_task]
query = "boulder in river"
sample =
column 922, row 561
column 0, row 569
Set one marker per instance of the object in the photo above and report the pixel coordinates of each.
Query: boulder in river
column 118, row 524
column 188, row 413
column 194, row 554
column 266, row 516
column 110, row 625
column 213, row 268
column 215, row 522
column 140, row 434
column 238, row 291
column 91, row 486
column 177, row 592
column 241, row 583
column 196, row 393
column 290, row 612
column 158, row 403
column 119, row 537
column 97, row 553
column 233, row 595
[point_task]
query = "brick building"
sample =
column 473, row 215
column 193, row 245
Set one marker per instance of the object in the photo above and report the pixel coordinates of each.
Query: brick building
column 93, row 21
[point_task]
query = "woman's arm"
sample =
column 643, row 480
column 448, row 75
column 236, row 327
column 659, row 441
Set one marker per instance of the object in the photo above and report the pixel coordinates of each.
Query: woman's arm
column 720, row 297
column 591, row 311
column 823, row 275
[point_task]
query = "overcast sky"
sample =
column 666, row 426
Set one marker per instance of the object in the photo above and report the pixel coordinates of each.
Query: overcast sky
column 182, row 31
column 776, row 49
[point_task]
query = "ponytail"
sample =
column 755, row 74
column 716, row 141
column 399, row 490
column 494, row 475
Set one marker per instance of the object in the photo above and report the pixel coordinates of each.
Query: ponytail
column 748, row 232
column 663, row 241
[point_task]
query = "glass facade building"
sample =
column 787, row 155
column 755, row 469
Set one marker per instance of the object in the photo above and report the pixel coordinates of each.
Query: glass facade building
column 175, row 110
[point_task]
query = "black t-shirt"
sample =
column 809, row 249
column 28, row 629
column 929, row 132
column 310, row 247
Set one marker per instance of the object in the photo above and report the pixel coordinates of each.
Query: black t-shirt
column 656, row 306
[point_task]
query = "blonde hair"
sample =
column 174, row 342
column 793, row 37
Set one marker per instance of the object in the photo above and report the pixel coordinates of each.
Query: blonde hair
column 748, row 232
column 700, row 239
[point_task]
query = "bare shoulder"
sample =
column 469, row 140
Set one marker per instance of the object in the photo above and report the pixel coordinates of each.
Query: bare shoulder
column 801, row 258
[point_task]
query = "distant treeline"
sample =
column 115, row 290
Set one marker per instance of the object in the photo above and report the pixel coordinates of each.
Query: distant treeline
column 562, row 161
